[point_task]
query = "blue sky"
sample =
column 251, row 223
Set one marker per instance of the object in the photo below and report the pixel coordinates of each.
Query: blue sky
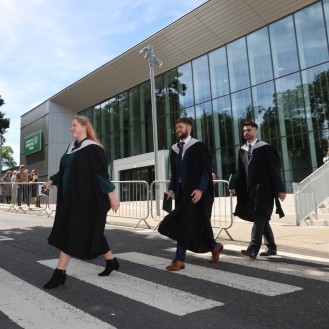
column 47, row 45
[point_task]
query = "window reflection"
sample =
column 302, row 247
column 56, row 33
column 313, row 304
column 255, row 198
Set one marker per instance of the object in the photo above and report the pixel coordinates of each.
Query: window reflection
column 204, row 124
column 201, row 80
column 238, row 64
column 218, row 73
column 264, row 112
column 311, row 37
column 259, row 56
column 185, row 85
column 315, row 83
column 284, row 50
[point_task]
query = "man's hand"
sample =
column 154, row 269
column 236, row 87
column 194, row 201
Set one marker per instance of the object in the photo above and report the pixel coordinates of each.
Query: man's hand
column 233, row 191
column 281, row 196
column 196, row 196
column 170, row 194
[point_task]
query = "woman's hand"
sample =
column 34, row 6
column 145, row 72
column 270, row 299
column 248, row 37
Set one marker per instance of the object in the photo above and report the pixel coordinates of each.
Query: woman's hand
column 47, row 184
column 115, row 203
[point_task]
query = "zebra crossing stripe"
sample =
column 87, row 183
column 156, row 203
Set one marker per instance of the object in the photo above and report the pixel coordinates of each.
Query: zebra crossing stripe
column 275, row 263
column 33, row 308
column 161, row 297
column 233, row 280
column 5, row 238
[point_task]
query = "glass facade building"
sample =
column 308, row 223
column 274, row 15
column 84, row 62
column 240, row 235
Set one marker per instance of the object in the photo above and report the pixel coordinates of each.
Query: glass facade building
column 277, row 76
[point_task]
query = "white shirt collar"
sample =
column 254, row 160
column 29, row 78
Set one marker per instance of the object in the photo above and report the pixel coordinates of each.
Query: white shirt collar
column 253, row 143
column 187, row 139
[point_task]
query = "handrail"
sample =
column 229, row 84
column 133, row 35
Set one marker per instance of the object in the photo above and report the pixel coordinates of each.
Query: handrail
column 311, row 192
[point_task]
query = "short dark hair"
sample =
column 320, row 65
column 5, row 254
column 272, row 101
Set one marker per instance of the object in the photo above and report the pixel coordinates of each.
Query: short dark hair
column 185, row 120
column 251, row 123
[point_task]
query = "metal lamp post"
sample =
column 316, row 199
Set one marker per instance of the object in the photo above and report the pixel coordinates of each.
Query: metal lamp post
column 148, row 52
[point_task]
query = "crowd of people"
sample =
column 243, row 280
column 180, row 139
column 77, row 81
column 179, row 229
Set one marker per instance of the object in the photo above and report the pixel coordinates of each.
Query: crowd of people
column 19, row 187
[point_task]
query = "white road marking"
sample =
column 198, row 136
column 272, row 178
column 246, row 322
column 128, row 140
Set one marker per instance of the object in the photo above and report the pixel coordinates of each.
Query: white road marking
column 5, row 238
column 164, row 298
column 265, row 263
column 33, row 308
column 282, row 254
column 230, row 279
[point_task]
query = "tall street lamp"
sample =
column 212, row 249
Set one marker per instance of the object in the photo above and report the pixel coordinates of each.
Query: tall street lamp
column 148, row 53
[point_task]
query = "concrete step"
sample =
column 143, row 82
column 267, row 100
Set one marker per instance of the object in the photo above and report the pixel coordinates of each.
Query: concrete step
column 319, row 219
column 315, row 222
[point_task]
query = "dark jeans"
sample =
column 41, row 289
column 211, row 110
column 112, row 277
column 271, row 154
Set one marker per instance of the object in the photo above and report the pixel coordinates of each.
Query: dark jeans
column 261, row 228
column 23, row 194
column 181, row 251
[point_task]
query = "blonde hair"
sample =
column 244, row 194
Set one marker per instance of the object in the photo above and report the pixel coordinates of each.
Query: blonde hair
column 85, row 122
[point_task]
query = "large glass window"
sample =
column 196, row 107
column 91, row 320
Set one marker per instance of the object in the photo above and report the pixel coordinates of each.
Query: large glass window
column 171, row 105
column 284, row 49
column 293, row 130
column 161, row 112
column 242, row 111
column 223, row 125
column 114, row 131
column 218, row 73
column 204, row 124
column 201, row 81
column 265, row 114
column 311, row 36
column 238, row 64
column 259, row 56
column 147, row 126
column 223, row 122
column 124, row 125
column 185, row 85
column 134, row 122
column 316, row 96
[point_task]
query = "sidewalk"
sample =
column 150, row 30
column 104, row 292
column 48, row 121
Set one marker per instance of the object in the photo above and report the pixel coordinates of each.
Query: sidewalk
column 307, row 240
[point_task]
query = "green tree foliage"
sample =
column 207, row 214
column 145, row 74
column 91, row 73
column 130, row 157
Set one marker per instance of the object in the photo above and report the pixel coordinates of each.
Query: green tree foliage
column 7, row 160
column 4, row 122
column 7, row 157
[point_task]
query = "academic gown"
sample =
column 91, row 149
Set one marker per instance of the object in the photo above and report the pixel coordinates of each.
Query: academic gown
column 258, row 182
column 82, row 206
column 189, row 223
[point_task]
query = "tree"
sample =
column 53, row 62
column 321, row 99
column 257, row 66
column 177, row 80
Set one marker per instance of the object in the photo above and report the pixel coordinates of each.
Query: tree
column 4, row 122
column 7, row 157
column 4, row 125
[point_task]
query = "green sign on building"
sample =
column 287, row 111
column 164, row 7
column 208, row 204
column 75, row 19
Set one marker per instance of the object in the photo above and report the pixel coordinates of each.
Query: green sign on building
column 32, row 143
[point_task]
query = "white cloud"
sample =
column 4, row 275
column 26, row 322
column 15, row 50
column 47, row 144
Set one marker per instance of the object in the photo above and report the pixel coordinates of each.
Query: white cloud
column 48, row 45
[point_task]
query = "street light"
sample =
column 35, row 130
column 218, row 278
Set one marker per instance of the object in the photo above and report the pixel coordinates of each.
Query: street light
column 148, row 52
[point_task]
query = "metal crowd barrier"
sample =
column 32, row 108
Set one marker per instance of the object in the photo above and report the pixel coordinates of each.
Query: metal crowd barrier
column 310, row 193
column 222, row 210
column 23, row 197
column 137, row 201
column 134, row 200
column 221, row 216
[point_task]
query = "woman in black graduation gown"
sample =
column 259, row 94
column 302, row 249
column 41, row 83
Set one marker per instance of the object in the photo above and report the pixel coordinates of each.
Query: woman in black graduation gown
column 84, row 197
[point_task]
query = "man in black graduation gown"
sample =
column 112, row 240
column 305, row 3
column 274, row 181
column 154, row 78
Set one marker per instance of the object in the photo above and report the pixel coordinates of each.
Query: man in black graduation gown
column 191, row 181
column 259, row 184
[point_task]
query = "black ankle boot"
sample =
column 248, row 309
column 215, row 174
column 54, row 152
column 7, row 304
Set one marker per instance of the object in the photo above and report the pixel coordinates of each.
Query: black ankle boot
column 59, row 277
column 111, row 264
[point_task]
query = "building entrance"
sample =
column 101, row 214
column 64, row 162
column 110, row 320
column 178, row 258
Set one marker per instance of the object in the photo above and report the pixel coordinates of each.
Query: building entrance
column 144, row 174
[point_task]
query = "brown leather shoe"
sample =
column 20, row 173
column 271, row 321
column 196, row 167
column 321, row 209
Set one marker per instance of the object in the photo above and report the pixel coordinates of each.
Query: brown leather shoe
column 176, row 265
column 216, row 252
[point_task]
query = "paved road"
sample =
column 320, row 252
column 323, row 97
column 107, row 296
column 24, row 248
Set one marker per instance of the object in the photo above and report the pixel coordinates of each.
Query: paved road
column 287, row 291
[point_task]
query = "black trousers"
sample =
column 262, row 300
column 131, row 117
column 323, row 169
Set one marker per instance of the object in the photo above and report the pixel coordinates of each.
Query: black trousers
column 261, row 228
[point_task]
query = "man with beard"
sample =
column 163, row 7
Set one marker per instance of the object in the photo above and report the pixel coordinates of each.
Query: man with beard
column 191, row 181
column 259, row 183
